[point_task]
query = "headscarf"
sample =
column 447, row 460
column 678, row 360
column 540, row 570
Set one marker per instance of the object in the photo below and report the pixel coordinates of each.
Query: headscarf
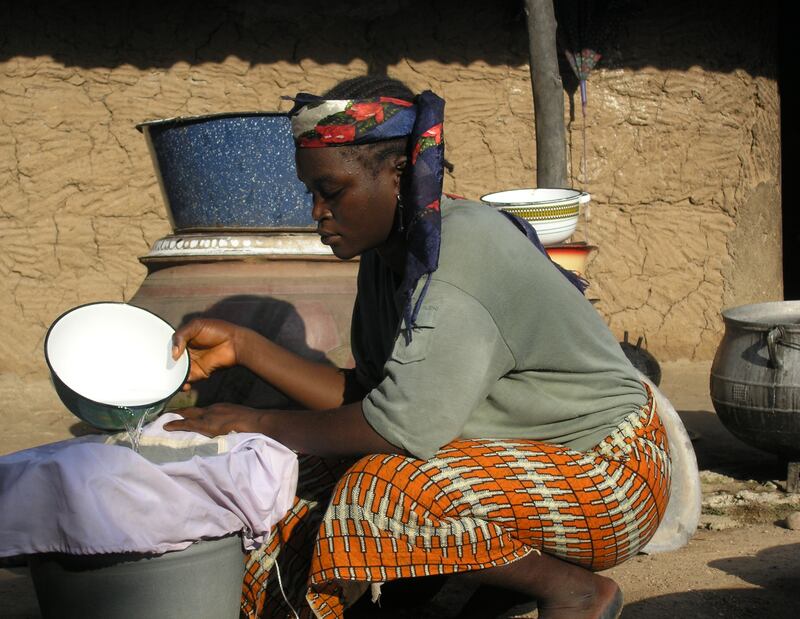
column 319, row 123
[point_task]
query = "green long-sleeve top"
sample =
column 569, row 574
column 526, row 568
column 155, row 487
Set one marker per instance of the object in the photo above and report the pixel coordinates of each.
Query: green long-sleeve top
column 504, row 346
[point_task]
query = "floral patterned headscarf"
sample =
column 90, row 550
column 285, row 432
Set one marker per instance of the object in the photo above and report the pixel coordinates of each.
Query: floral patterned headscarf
column 319, row 123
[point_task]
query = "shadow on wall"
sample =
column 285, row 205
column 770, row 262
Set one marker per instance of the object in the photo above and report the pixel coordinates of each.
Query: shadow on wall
column 273, row 318
column 717, row 35
column 276, row 320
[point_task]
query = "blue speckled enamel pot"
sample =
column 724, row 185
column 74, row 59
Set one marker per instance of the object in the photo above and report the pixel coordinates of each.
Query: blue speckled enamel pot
column 228, row 171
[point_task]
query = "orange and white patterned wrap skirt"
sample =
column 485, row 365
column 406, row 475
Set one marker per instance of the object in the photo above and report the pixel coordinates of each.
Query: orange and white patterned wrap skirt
column 477, row 503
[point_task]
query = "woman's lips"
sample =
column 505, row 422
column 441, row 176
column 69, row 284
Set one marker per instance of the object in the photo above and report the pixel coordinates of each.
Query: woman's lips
column 327, row 239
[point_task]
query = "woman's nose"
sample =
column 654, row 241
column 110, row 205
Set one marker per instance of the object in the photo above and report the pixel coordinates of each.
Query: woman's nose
column 318, row 210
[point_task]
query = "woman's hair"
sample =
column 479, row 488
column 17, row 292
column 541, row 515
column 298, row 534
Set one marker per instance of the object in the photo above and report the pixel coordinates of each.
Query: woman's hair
column 373, row 156
column 367, row 86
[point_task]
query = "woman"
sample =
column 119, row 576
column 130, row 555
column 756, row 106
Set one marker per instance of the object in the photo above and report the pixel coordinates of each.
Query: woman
column 502, row 432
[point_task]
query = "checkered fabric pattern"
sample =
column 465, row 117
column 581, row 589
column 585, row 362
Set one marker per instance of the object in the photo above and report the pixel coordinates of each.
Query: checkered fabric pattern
column 476, row 504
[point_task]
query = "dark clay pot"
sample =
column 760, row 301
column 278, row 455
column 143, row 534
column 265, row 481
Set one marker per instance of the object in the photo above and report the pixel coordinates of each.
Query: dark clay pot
column 755, row 377
column 641, row 359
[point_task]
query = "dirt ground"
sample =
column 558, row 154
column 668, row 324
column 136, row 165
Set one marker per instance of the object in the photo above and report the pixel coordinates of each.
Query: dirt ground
column 742, row 562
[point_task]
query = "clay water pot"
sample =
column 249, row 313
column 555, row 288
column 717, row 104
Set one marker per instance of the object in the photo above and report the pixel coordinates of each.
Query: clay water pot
column 755, row 376
column 300, row 300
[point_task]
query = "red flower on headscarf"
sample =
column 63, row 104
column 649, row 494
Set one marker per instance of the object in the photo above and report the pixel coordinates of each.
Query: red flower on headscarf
column 336, row 134
column 434, row 132
column 399, row 102
column 430, row 138
column 415, row 152
column 363, row 111
column 305, row 142
column 433, row 206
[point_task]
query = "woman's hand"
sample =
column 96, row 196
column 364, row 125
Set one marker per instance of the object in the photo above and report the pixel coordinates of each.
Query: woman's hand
column 332, row 433
column 216, row 420
column 211, row 344
column 217, row 344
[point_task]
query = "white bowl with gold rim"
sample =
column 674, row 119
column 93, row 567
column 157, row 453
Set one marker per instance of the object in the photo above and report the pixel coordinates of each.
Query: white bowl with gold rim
column 552, row 212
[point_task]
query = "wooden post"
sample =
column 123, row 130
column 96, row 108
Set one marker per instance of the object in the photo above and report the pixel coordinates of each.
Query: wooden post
column 793, row 478
column 548, row 95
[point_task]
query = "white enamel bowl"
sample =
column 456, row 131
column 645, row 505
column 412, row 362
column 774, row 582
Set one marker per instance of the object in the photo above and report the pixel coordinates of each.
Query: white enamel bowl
column 111, row 363
column 552, row 212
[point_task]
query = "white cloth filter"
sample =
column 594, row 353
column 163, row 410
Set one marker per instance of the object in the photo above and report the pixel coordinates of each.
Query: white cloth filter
column 92, row 496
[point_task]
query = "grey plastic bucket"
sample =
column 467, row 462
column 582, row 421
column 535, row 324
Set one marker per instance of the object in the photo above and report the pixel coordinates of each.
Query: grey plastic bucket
column 202, row 581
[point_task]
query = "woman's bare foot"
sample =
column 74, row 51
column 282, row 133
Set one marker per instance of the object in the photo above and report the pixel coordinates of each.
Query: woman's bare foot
column 563, row 590
column 604, row 601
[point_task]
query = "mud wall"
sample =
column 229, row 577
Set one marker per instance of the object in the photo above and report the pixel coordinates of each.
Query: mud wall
column 681, row 131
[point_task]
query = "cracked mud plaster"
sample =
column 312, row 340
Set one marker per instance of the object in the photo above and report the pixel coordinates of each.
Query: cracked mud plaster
column 679, row 163
column 686, row 203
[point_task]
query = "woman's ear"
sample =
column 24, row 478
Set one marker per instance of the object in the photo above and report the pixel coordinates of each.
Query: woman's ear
column 400, row 163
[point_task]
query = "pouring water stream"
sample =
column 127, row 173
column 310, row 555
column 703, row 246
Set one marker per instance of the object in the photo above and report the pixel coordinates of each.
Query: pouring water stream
column 133, row 427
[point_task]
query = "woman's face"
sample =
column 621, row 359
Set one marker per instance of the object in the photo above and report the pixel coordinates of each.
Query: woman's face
column 353, row 206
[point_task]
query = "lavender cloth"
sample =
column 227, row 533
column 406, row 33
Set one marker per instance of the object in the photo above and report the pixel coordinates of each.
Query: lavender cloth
column 91, row 496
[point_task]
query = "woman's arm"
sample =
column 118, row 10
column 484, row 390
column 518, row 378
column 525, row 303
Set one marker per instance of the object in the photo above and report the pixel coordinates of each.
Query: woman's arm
column 311, row 384
column 335, row 432
column 216, row 344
